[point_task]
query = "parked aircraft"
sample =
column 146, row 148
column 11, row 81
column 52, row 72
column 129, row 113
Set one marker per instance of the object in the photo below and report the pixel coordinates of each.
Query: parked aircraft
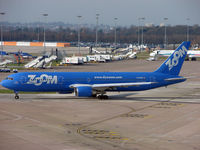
column 5, row 62
column 3, row 53
column 24, row 55
column 92, row 84
column 192, row 54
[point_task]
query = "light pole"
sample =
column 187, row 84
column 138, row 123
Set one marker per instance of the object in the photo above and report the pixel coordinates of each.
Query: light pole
column 38, row 34
column 115, row 19
column 21, row 34
column 188, row 19
column 142, row 40
column 138, row 31
column 45, row 16
column 2, row 13
column 79, row 17
column 165, row 37
column 97, row 19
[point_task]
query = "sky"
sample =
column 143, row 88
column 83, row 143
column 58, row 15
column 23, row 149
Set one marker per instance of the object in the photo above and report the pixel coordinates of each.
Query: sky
column 127, row 11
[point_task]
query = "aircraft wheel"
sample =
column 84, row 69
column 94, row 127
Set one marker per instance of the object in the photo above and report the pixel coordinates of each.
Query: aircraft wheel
column 193, row 59
column 94, row 95
column 105, row 97
column 102, row 97
column 99, row 96
column 16, row 97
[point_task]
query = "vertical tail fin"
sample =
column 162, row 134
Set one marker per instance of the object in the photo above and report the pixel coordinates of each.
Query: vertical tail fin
column 174, row 63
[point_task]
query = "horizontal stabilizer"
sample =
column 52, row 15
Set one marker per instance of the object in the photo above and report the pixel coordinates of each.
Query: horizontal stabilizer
column 175, row 79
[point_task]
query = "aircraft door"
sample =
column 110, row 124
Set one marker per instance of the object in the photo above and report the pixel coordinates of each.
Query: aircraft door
column 152, row 79
column 60, row 80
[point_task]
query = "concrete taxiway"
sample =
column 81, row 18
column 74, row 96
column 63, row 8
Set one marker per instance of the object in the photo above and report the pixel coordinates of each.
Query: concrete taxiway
column 164, row 118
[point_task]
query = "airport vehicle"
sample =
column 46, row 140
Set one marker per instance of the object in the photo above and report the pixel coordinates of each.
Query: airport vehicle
column 83, row 58
column 15, row 70
column 107, row 57
column 8, row 70
column 4, row 69
column 72, row 60
column 96, row 84
column 96, row 58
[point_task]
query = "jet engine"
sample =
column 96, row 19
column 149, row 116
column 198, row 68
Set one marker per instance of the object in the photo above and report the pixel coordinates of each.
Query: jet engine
column 83, row 91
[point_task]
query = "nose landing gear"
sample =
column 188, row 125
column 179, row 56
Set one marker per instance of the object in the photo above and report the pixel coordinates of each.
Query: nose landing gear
column 16, row 95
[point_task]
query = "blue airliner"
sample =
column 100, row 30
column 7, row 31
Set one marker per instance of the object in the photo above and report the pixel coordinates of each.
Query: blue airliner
column 96, row 84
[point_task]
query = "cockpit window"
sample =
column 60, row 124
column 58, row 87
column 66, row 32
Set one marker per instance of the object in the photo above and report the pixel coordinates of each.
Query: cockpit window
column 9, row 78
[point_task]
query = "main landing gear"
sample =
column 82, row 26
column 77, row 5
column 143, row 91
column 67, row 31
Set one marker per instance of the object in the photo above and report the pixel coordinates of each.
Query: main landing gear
column 102, row 97
column 16, row 95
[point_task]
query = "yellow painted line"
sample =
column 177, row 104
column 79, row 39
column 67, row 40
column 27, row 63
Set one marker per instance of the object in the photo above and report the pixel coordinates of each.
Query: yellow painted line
column 149, row 116
column 125, row 139
column 180, row 105
column 112, row 132
column 168, row 105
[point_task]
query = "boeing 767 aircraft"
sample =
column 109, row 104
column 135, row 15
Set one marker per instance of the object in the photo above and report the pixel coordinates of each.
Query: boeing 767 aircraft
column 96, row 84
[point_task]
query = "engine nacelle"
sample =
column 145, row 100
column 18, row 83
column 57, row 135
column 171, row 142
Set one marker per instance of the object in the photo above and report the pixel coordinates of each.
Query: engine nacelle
column 83, row 91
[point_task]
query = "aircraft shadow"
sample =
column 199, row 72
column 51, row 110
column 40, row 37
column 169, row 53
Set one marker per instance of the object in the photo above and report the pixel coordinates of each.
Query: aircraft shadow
column 153, row 99
column 120, row 97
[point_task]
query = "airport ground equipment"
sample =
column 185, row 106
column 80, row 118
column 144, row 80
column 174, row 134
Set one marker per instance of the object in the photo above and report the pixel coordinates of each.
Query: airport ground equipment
column 40, row 62
column 73, row 60
column 33, row 62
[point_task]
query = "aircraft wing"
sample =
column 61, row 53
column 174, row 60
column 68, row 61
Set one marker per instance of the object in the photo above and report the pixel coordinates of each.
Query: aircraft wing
column 111, row 85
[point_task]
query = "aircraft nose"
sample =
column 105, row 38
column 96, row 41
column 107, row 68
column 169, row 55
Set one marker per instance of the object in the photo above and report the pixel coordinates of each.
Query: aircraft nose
column 5, row 84
column 2, row 83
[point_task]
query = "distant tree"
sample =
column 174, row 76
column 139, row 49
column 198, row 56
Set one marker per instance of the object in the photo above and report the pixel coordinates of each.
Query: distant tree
column 154, row 34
